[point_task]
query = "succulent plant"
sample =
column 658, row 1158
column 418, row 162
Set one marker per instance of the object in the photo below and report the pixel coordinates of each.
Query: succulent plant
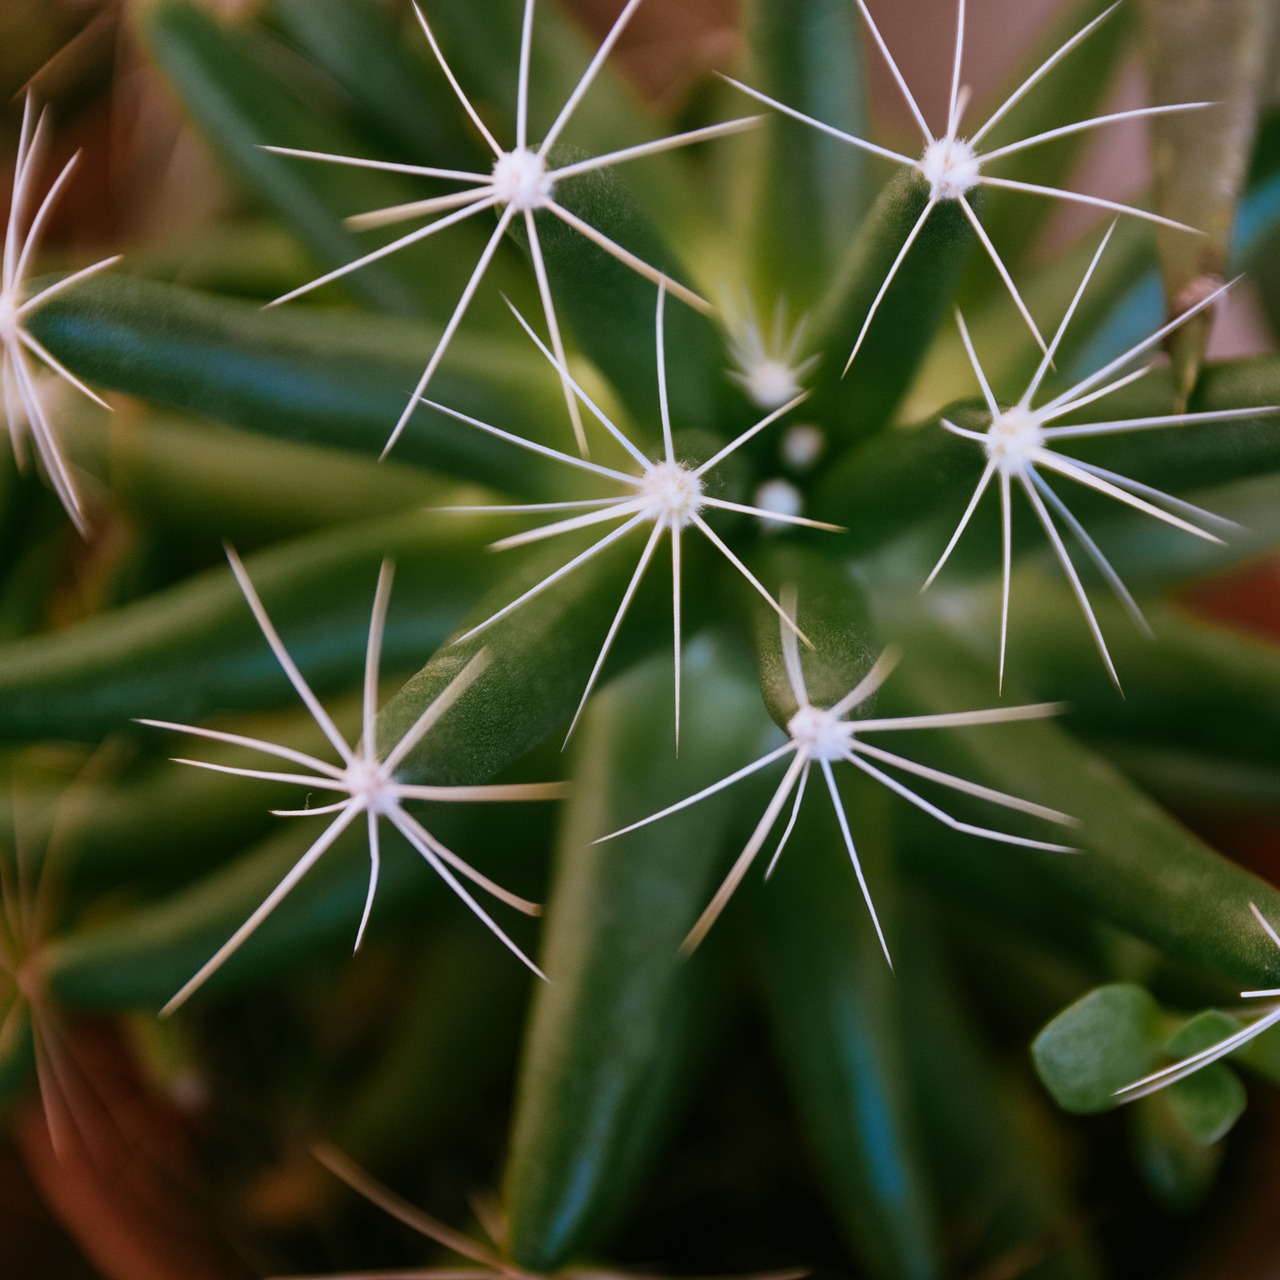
column 753, row 340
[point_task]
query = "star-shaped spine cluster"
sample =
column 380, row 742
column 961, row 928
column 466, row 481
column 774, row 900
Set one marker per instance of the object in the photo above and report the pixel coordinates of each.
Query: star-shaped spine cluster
column 522, row 183
column 364, row 780
column 953, row 166
column 23, row 396
column 823, row 736
column 769, row 365
column 666, row 494
column 1019, row 446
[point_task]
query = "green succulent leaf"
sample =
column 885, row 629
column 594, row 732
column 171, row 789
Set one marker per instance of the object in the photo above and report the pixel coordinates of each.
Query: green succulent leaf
column 1198, row 685
column 1106, row 1040
column 1177, row 1167
column 253, row 257
column 236, row 485
column 1208, row 1104
column 610, row 308
column 540, row 657
column 1202, row 1031
column 362, row 50
column 448, row 1052
column 871, row 487
column 1193, row 782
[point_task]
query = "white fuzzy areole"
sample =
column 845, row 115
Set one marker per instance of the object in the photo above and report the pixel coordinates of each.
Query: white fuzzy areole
column 771, row 383
column 521, row 180
column 369, row 781
column 672, row 494
column 1012, row 438
column 820, row 733
column 951, row 168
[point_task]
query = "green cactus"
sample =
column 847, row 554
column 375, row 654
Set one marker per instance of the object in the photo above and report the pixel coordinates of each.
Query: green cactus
column 544, row 384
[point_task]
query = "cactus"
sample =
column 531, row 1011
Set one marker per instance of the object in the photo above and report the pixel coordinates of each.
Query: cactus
column 735, row 356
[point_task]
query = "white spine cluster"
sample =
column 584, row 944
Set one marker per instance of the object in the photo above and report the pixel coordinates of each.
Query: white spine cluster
column 522, row 183
column 365, row 782
column 24, row 406
column 666, row 494
column 823, row 736
column 953, row 166
column 1020, row 446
